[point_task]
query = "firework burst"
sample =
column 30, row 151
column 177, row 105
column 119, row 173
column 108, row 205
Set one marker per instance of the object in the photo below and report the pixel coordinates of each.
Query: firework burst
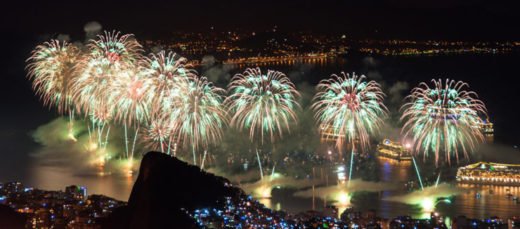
column 349, row 107
column 198, row 118
column 262, row 103
column 107, row 74
column 131, row 95
column 168, row 76
column 443, row 118
column 109, row 57
column 116, row 49
column 158, row 135
column 51, row 68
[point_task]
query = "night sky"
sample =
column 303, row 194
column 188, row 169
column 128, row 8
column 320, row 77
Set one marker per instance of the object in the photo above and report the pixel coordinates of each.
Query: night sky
column 25, row 24
column 453, row 19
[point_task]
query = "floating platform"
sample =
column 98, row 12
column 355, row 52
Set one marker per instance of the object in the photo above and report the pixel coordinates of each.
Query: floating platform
column 490, row 173
column 393, row 150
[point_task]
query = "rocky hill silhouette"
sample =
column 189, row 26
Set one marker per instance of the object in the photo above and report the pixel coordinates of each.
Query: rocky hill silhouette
column 164, row 190
column 11, row 219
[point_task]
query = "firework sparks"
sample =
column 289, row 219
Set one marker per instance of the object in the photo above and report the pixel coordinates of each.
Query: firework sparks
column 198, row 118
column 262, row 103
column 109, row 57
column 51, row 68
column 108, row 74
column 168, row 76
column 131, row 96
column 350, row 107
column 116, row 49
column 158, row 135
column 443, row 119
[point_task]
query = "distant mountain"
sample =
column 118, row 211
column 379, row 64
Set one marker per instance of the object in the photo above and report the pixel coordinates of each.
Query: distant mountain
column 165, row 188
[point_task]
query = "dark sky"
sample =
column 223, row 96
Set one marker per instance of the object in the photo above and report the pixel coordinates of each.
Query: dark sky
column 453, row 19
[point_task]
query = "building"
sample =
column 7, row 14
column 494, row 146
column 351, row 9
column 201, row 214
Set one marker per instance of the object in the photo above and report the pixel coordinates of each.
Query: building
column 57, row 209
column 76, row 192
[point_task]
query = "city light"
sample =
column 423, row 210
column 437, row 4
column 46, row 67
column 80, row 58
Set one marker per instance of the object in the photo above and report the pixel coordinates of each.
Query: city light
column 281, row 119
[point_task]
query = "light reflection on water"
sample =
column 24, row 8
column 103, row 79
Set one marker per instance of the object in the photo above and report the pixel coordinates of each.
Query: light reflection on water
column 493, row 200
column 117, row 186
column 411, row 70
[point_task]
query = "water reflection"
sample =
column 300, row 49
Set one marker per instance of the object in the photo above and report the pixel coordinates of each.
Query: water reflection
column 117, row 186
column 478, row 201
column 492, row 200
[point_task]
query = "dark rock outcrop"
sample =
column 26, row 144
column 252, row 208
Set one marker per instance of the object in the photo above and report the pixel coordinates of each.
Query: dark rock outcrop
column 165, row 186
column 9, row 218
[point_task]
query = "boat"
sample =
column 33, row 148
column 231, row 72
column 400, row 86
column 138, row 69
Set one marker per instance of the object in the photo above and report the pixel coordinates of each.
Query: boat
column 393, row 150
column 490, row 173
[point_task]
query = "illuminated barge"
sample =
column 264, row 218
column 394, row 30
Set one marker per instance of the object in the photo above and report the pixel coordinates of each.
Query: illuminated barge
column 490, row 173
column 486, row 128
column 328, row 134
column 393, row 150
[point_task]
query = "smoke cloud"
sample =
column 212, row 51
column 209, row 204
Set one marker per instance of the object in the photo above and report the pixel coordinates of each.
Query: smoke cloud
column 62, row 150
column 263, row 188
column 63, row 37
column 351, row 187
column 299, row 71
column 92, row 29
column 396, row 92
column 218, row 73
column 496, row 152
column 370, row 62
column 57, row 149
column 428, row 194
column 394, row 100
column 237, row 178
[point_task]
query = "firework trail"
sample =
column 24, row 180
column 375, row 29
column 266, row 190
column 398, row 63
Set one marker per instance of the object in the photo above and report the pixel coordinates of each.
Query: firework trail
column 351, row 108
column 198, row 117
column 262, row 103
column 443, row 118
column 111, row 82
column 51, row 68
column 418, row 173
column 108, row 58
column 169, row 81
column 111, row 57
column 131, row 96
